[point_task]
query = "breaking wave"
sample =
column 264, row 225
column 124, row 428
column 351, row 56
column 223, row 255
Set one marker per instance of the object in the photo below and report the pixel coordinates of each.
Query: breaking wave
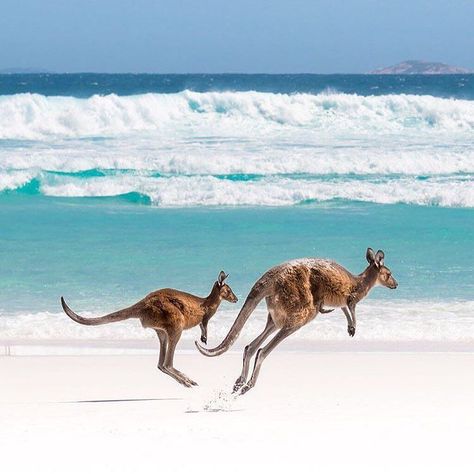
column 244, row 189
column 33, row 116
column 239, row 148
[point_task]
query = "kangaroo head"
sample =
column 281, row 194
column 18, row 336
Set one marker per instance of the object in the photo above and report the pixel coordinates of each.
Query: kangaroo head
column 384, row 275
column 225, row 290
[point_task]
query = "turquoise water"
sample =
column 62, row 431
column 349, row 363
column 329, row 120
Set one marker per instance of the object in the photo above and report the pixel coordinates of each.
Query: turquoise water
column 106, row 254
column 164, row 180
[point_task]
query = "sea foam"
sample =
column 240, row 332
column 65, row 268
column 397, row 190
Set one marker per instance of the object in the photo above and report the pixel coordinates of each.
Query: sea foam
column 212, row 191
column 378, row 321
column 190, row 191
column 240, row 148
column 33, row 116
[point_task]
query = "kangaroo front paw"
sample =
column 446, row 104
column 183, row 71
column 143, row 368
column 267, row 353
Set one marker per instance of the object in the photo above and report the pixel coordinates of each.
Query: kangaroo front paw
column 351, row 330
column 204, row 339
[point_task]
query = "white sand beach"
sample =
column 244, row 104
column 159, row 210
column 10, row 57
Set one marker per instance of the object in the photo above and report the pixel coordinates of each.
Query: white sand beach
column 324, row 411
column 289, row 173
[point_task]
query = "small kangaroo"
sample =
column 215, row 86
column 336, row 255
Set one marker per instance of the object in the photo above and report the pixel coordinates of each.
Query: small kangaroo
column 168, row 312
column 295, row 292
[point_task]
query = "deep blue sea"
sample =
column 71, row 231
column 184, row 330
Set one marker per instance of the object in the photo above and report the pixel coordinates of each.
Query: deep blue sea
column 112, row 186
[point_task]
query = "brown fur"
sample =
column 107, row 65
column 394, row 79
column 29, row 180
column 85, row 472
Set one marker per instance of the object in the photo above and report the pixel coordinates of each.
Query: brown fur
column 169, row 312
column 295, row 293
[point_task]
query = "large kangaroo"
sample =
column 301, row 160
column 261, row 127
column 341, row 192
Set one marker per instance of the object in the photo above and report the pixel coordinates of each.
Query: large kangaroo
column 168, row 312
column 295, row 293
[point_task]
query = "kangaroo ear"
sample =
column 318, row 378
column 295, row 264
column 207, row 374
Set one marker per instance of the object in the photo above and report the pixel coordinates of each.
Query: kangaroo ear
column 222, row 276
column 370, row 255
column 379, row 258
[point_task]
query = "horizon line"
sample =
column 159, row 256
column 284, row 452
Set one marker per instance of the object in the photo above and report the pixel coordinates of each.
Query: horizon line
column 370, row 73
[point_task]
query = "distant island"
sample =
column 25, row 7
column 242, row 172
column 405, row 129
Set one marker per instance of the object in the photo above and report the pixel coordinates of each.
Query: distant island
column 421, row 67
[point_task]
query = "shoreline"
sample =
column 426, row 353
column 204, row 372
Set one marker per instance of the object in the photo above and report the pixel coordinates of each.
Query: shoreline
column 94, row 347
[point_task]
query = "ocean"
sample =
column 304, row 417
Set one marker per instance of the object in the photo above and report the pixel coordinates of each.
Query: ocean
column 113, row 185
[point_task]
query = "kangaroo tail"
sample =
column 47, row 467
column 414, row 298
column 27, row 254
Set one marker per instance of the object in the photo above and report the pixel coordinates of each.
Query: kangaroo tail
column 257, row 293
column 109, row 318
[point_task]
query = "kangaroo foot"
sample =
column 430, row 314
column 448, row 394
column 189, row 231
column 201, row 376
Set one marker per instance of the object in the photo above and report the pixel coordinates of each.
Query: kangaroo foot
column 239, row 383
column 187, row 381
column 351, row 330
column 191, row 382
column 178, row 376
column 184, row 382
column 186, row 378
column 181, row 380
column 246, row 388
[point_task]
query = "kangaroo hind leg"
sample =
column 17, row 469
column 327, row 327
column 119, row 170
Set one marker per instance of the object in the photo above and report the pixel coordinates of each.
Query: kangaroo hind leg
column 169, row 358
column 250, row 350
column 164, row 348
column 163, row 337
column 263, row 353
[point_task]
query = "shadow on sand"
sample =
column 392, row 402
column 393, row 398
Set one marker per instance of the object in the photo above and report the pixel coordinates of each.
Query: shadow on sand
column 123, row 400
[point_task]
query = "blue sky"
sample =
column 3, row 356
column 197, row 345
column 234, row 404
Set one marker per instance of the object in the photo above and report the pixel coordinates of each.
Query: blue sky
column 239, row 36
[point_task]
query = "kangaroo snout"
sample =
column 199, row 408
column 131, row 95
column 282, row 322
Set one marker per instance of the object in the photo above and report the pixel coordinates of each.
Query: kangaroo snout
column 392, row 283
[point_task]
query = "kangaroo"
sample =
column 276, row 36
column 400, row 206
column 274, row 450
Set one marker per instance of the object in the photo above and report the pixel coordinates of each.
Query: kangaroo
column 295, row 292
column 168, row 312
